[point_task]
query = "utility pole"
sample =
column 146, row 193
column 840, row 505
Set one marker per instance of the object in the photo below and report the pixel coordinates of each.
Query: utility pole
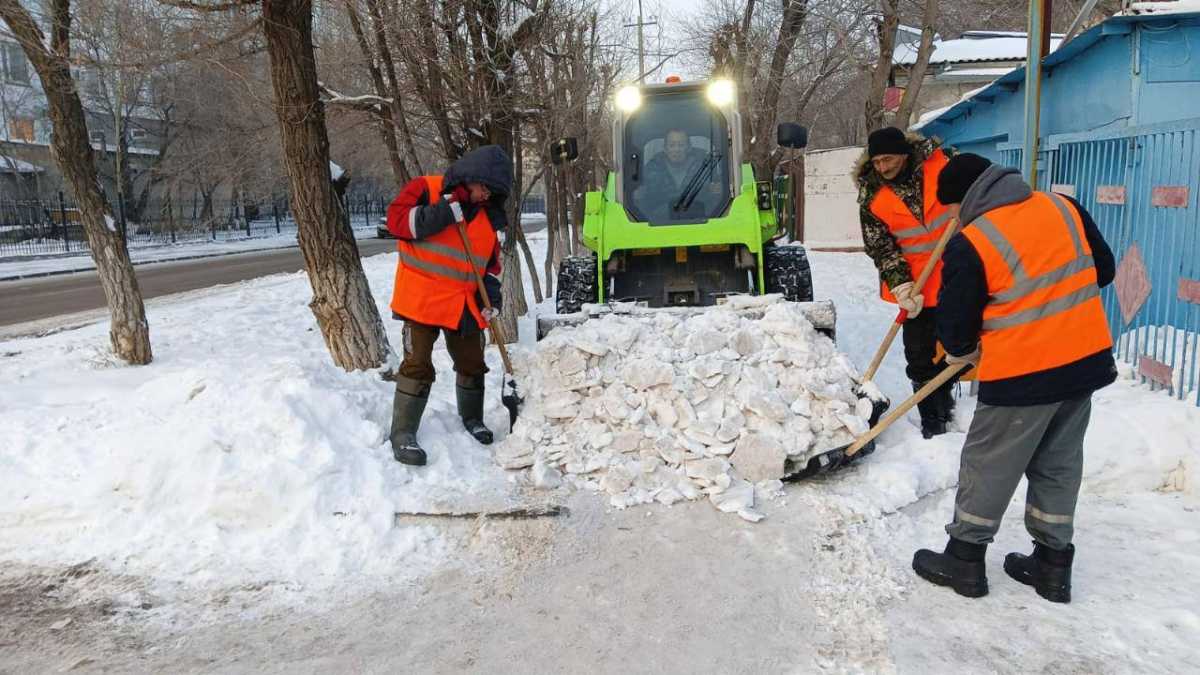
column 641, row 42
column 1038, row 40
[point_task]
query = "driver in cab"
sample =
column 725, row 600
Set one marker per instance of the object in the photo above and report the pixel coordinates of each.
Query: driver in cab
column 669, row 173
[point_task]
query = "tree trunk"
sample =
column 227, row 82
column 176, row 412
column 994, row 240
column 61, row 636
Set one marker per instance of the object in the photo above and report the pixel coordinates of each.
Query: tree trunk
column 387, row 133
column 795, row 13
column 916, row 75
column 533, row 275
column 873, row 112
column 399, row 116
column 342, row 302
column 129, row 332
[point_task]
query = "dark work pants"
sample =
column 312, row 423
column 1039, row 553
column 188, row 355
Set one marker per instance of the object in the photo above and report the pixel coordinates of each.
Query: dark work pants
column 920, row 346
column 920, row 349
column 1042, row 442
column 465, row 350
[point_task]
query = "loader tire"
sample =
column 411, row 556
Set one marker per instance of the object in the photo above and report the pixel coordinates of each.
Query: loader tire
column 577, row 283
column 786, row 271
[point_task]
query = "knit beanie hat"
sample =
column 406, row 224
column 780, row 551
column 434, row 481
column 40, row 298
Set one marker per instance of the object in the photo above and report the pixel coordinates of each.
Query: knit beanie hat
column 887, row 141
column 958, row 175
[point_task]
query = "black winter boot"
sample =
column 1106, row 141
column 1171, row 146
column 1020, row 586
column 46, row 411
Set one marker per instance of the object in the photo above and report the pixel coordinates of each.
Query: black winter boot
column 407, row 408
column 960, row 567
column 1047, row 570
column 933, row 422
column 944, row 398
column 470, row 407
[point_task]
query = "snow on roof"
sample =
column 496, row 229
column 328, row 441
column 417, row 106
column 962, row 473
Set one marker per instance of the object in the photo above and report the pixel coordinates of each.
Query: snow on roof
column 971, row 73
column 968, row 49
column 1162, row 7
column 13, row 165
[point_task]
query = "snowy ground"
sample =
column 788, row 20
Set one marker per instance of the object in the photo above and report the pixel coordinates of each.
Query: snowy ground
column 231, row 508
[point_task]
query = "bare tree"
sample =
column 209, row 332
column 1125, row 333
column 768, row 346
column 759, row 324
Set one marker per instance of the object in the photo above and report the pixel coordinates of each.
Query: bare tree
column 342, row 301
column 70, row 146
column 885, row 31
column 916, row 74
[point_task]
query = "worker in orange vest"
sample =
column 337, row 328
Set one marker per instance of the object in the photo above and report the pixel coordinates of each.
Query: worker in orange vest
column 902, row 221
column 435, row 289
column 1020, row 301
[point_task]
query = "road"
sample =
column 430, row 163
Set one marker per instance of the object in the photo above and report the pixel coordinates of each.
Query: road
column 34, row 299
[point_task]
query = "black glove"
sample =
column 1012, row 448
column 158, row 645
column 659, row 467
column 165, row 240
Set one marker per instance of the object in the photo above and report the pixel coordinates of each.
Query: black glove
column 492, row 285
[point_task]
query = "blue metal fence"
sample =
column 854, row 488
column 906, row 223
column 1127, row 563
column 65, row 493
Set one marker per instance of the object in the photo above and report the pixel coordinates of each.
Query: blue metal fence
column 1141, row 187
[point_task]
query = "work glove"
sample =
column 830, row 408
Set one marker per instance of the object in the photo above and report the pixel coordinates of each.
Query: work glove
column 908, row 301
column 491, row 283
column 489, row 314
column 458, row 198
column 972, row 358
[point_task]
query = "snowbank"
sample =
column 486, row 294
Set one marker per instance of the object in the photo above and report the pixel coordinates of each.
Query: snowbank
column 241, row 454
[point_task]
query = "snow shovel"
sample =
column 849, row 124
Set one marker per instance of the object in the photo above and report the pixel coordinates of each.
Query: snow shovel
column 508, row 392
column 880, row 402
column 837, row 457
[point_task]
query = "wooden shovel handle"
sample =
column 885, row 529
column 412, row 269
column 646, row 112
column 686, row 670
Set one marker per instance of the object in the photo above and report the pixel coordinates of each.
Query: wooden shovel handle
column 496, row 334
column 920, row 395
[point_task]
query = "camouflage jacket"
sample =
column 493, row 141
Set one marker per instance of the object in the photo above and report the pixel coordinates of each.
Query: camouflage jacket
column 877, row 240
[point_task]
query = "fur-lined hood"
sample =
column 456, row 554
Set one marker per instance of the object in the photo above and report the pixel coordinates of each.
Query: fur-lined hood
column 864, row 174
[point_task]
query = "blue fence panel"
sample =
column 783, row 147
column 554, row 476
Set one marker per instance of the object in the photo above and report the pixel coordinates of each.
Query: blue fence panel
column 1115, row 178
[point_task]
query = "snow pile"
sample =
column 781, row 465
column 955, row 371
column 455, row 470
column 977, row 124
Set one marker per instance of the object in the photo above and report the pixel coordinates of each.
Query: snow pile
column 242, row 454
column 662, row 407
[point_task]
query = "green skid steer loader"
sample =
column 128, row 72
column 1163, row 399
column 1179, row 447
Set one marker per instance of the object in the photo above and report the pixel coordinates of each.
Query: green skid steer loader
column 682, row 222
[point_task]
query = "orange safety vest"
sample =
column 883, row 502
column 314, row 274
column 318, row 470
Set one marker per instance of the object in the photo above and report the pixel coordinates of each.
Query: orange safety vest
column 916, row 239
column 1044, row 307
column 434, row 276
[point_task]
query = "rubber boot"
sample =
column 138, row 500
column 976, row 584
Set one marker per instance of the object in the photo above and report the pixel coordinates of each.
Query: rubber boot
column 1047, row 570
column 944, row 398
column 932, row 421
column 960, row 567
column 470, row 407
column 407, row 408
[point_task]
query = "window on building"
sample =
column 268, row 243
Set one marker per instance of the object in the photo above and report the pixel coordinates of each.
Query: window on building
column 16, row 67
column 21, row 129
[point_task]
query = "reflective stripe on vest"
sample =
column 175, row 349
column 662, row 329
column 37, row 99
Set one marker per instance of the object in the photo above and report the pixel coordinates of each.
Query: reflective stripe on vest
column 448, row 251
column 1036, row 318
column 916, row 239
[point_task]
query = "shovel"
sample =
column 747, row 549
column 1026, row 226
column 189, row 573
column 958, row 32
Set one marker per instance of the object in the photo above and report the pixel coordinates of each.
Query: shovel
column 832, row 459
column 508, row 391
column 880, row 402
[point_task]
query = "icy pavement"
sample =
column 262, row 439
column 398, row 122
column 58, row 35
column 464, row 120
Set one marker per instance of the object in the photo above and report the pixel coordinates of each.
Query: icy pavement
column 82, row 261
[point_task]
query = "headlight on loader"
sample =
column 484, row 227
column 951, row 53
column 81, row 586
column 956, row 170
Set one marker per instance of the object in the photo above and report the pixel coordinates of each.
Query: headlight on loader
column 721, row 92
column 629, row 98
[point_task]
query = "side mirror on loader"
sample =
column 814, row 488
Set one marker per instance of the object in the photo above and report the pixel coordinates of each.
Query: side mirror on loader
column 564, row 150
column 792, row 136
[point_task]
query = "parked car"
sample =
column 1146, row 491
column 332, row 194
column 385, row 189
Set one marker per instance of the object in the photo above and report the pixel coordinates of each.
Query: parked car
column 381, row 230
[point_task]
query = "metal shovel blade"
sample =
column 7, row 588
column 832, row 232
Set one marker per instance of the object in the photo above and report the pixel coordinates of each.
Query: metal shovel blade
column 511, row 400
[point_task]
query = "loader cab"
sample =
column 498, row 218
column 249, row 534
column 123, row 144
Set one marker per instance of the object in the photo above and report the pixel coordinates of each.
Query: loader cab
column 679, row 150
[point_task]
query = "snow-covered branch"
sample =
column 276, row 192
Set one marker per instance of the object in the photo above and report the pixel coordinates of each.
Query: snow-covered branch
column 366, row 102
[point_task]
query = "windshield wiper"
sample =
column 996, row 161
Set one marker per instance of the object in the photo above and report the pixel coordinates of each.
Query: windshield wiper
column 692, row 189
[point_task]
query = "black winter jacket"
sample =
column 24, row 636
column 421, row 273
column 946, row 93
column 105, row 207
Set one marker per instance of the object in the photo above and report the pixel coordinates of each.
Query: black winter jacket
column 964, row 296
